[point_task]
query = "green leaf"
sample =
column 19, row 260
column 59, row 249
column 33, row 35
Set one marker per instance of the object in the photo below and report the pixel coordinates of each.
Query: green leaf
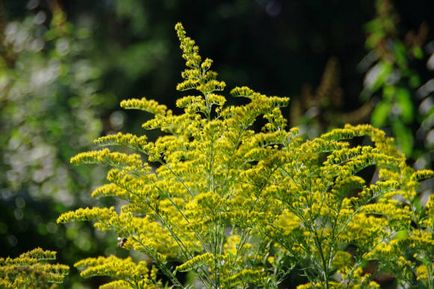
column 389, row 92
column 400, row 54
column 384, row 69
column 403, row 136
column 380, row 114
column 405, row 105
column 414, row 81
column 401, row 235
column 417, row 52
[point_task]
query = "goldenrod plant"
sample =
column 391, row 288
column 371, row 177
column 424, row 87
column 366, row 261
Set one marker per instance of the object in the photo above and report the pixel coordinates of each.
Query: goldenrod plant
column 32, row 270
column 231, row 195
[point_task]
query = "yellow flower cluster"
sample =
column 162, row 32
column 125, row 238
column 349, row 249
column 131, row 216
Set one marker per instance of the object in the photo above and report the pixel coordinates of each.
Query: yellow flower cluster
column 241, row 206
column 129, row 140
column 111, row 158
column 128, row 274
column 32, row 270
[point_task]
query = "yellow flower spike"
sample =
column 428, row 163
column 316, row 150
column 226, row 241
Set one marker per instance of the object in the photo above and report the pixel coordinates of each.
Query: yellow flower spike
column 118, row 284
column 110, row 190
column 422, row 272
column 144, row 104
column 127, row 272
column 123, row 139
column 108, row 157
column 342, row 259
column 287, row 222
column 246, row 276
column 197, row 261
column 422, row 175
column 87, row 214
column 232, row 245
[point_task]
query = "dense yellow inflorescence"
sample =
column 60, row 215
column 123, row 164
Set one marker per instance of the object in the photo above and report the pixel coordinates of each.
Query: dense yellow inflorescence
column 32, row 270
column 128, row 273
column 242, row 204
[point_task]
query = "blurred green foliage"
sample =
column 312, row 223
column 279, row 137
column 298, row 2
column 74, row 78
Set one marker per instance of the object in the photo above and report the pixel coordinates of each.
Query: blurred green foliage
column 49, row 103
column 49, row 108
column 393, row 78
